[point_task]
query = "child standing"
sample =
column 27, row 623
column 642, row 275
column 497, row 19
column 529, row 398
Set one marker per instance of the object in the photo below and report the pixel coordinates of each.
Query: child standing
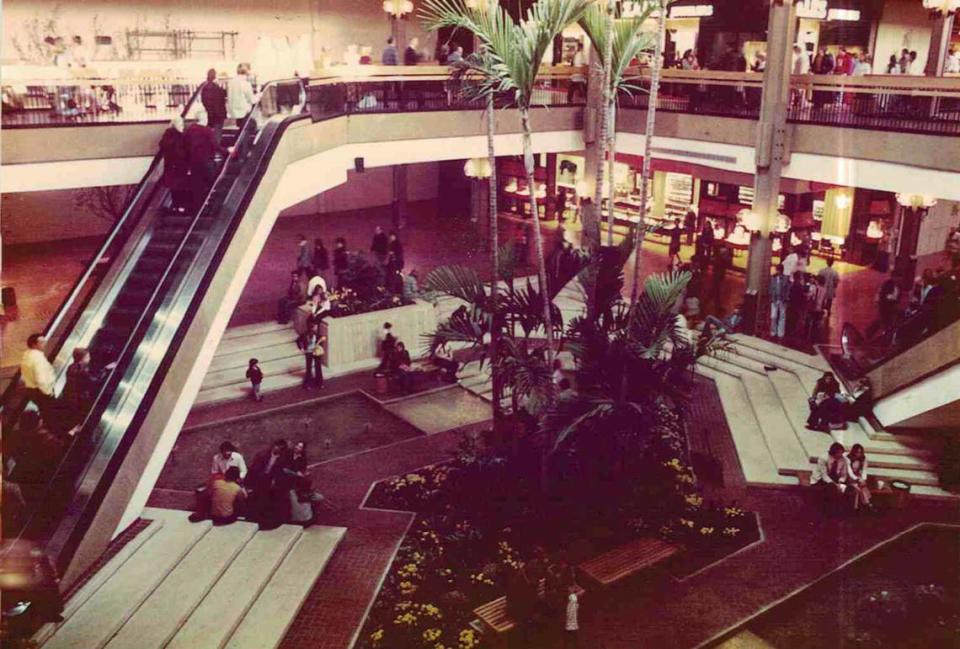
column 255, row 374
column 571, row 627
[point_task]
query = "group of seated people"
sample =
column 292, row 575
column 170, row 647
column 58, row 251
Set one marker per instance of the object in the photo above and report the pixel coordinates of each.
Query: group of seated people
column 843, row 478
column 830, row 408
column 396, row 363
column 275, row 490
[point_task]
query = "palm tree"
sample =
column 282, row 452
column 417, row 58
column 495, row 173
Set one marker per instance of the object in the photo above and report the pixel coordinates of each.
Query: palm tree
column 648, row 138
column 615, row 53
column 515, row 51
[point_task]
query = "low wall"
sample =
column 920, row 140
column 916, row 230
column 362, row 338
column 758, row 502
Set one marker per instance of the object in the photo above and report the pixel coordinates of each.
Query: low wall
column 352, row 340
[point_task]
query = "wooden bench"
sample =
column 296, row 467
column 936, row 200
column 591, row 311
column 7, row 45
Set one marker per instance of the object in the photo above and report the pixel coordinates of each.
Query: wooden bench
column 492, row 617
column 626, row 560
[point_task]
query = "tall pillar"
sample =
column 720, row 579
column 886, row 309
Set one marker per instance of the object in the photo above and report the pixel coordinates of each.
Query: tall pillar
column 399, row 196
column 770, row 154
column 550, row 211
column 908, row 236
column 939, row 44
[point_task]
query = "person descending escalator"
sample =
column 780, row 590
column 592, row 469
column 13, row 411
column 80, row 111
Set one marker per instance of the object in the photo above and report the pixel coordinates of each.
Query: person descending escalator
column 173, row 149
column 202, row 147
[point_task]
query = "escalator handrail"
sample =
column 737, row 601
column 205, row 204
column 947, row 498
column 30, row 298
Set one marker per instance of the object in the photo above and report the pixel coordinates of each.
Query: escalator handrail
column 60, row 541
column 73, row 296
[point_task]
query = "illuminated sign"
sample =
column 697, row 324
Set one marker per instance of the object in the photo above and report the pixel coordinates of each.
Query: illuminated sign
column 816, row 9
column 843, row 14
column 691, row 11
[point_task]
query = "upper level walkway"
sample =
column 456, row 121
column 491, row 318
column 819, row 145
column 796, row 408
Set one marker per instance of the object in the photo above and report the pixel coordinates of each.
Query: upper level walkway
column 862, row 131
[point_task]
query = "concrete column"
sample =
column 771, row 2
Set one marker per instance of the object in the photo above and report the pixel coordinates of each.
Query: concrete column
column 550, row 209
column 659, row 194
column 939, row 44
column 399, row 196
column 771, row 151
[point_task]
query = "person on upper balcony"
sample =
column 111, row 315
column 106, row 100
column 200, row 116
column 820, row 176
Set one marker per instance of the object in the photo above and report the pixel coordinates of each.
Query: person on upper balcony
column 214, row 100
column 390, row 55
column 240, row 95
column 410, row 55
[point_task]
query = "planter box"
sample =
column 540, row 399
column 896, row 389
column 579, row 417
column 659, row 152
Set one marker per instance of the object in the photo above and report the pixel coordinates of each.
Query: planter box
column 352, row 340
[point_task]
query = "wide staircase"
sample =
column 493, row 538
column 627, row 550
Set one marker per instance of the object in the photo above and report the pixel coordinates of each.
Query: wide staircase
column 764, row 389
column 182, row 585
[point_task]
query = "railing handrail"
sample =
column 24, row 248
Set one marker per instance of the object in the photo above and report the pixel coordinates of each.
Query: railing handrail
column 157, row 296
column 50, row 331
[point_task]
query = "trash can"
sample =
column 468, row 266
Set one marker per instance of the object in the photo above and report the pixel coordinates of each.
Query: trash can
column 380, row 383
column 901, row 493
column 8, row 296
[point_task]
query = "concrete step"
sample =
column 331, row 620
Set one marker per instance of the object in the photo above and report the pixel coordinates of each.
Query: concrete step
column 213, row 622
column 755, row 458
column 267, row 621
column 785, row 447
column 807, row 376
column 274, row 346
column 289, row 359
column 103, row 614
column 85, row 592
column 171, row 604
column 257, row 329
column 813, row 361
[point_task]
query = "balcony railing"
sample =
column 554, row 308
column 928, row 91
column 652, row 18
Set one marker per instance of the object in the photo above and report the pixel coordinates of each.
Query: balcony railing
column 878, row 102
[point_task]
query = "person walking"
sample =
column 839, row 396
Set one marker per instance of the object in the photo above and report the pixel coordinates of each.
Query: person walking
column 321, row 260
column 675, row 240
column 240, row 96
column 831, row 280
column 173, row 150
column 255, row 375
column 779, row 293
column 390, row 55
column 410, row 55
column 214, row 100
column 394, row 253
column 380, row 245
column 304, row 257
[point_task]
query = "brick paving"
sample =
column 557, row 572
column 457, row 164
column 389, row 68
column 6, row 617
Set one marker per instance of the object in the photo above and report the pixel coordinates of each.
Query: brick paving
column 800, row 545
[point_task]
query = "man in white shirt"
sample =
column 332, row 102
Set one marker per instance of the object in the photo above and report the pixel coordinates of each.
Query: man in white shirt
column 39, row 377
column 952, row 65
column 791, row 263
column 226, row 458
column 240, row 95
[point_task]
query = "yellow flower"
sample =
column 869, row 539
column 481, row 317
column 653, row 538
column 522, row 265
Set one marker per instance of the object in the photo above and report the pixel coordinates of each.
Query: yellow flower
column 687, row 522
column 732, row 512
column 432, row 634
column 706, row 531
column 731, row 531
column 376, row 637
column 694, row 500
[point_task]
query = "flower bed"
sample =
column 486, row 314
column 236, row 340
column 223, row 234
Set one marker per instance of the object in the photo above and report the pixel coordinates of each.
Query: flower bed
column 478, row 521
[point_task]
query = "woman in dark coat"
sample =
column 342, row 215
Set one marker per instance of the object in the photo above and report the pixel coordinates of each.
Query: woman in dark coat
column 174, row 151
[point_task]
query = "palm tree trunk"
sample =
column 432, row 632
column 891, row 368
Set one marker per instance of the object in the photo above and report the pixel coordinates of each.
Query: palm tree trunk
column 648, row 143
column 606, row 131
column 494, row 266
column 537, row 239
column 611, row 161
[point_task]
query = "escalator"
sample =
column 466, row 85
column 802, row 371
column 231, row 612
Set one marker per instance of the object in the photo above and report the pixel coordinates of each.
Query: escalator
column 912, row 370
column 133, row 309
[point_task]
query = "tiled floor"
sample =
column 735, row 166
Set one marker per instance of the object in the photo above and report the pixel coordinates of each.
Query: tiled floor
column 44, row 273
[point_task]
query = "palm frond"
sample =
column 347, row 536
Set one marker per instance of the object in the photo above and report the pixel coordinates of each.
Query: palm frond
column 458, row 282
column 629, row 38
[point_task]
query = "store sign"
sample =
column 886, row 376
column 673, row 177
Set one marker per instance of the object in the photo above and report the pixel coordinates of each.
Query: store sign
column 844, row 14
column 691, row 11
column 815, row 9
